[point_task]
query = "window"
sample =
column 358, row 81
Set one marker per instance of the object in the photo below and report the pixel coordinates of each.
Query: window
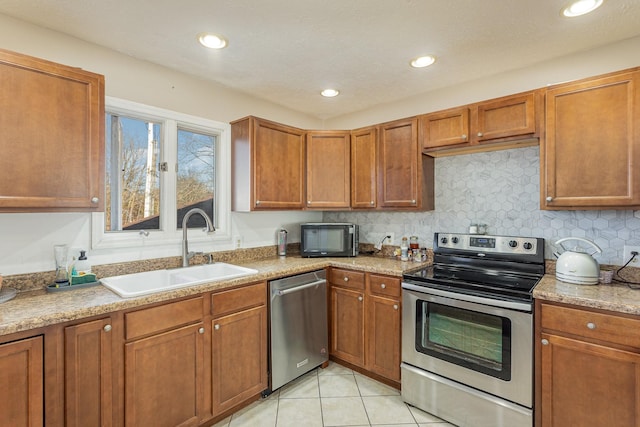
column 159, row 165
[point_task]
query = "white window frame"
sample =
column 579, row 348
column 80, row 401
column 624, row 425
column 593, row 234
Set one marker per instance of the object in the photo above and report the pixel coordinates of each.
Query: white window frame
column 169, row 236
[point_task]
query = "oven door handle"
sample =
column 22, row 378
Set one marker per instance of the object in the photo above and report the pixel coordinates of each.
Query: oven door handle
column 513, row 305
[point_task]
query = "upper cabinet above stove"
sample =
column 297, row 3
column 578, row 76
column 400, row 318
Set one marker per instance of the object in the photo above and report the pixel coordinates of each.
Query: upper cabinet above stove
column 500, row 123
column 591, row 152
column 52, row 136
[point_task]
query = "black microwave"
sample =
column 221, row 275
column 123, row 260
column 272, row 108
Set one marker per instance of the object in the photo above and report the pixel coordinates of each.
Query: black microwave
column 324, row 239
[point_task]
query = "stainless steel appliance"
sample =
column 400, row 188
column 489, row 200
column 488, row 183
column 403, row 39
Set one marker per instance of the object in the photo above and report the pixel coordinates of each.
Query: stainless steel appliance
column 321, row 239
column 467, row 330
column 298, row 327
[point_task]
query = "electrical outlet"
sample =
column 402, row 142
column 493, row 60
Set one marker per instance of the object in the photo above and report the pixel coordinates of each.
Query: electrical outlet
column 391, row 240
column 238, row 241
column 627, row 255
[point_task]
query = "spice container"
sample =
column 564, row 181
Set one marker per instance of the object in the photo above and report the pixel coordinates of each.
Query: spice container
column 404, row 249
column 413, row 243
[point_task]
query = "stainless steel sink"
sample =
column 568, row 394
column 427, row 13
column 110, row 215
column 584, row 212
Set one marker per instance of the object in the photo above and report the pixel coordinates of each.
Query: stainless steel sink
column 149, row 282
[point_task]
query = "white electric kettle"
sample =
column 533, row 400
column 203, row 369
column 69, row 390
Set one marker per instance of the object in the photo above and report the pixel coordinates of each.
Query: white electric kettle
column 577, row 266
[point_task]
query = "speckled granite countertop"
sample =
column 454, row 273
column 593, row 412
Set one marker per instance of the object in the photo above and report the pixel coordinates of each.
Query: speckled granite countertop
column 35, row 309
column 615, row 297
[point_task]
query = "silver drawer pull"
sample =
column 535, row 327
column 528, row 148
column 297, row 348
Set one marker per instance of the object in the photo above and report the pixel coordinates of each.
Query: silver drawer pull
column 107, row 328
column 346, row 279
column 591, row 325
column 216, row 327
column 383, row 286
column 395, row 306
column 360, row 298
column 545, row 342
column 201, row 331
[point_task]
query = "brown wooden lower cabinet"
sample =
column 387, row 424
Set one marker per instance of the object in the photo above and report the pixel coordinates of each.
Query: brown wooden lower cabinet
column 22, row 383
column 88, row 378
column 164, row 378
column 365, row 321
column 588, row 369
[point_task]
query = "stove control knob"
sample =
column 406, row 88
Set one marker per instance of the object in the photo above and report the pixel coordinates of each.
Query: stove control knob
column 527, row 245
column 444, row 240
column 513, row 244
column 454, row 240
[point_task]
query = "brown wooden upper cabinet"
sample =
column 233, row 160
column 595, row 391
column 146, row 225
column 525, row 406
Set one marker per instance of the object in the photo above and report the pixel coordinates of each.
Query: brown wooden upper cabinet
column 267, row 165
column 52, row 139
column 591, row 154
column 405, row 177
column 364, row 166
column 494, row 124
column 328, row 170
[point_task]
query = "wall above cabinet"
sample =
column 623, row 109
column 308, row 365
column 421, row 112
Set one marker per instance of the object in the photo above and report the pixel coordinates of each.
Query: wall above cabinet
column 52, row 139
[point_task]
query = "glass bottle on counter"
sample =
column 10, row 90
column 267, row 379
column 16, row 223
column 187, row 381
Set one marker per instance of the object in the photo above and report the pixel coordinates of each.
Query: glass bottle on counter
column 413, row 243
column 404, row 249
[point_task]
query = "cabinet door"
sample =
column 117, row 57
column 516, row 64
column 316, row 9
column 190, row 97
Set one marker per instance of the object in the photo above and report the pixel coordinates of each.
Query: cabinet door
column 445, row 128
column 399, row 169
column 591, row 152
column 328, row 170
column 88, row 374
column 505, row 117
column 383, row 337
column 239, row 354
column 364, row 166
column 163, row 378
column 278, row 166
column 21, row 383
column 588, row 385
column 52, row 139
column 347, row 325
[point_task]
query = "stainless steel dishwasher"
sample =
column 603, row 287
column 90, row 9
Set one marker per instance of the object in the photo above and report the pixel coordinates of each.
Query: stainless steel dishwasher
column 298, row 326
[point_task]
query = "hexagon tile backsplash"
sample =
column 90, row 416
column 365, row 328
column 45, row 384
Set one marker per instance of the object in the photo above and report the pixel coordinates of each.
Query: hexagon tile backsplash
column 500, row 189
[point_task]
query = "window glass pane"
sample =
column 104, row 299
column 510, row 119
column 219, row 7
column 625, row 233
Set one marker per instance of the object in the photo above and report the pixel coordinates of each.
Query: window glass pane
column 132, row 175
column 196, row 176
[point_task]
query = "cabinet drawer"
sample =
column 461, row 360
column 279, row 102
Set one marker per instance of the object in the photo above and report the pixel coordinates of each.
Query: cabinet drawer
column 587, row 324
column 346, row 278
column 163, row 317
column 384, row 285
column 234, row 300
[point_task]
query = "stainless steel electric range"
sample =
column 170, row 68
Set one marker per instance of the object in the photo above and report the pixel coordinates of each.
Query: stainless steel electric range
column 467, row 330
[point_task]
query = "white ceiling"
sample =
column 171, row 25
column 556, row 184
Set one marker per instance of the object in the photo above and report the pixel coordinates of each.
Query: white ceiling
column 286, row 51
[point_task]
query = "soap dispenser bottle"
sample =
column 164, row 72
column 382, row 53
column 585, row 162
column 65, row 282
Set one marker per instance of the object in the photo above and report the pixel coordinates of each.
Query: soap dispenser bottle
column 82, row 264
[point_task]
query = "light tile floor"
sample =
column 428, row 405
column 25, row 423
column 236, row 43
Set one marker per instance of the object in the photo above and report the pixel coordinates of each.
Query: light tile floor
column 335, row 396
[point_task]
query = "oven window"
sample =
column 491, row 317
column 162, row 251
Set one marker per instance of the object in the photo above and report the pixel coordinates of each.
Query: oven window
column 475, row 340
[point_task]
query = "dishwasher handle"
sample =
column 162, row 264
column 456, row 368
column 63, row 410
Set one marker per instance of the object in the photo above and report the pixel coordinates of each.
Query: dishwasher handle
column 281, row 292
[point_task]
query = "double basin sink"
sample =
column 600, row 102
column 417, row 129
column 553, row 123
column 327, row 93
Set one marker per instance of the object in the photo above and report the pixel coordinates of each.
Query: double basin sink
column 149, row 282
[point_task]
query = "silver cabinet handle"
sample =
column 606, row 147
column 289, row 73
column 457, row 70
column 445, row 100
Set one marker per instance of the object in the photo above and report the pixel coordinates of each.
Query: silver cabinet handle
column 545, row 342
column 308, row 202
column 360, row 298
column 395, row 306
column 480, row 134
column 591, row 325
column 94, row 200
column 372, row 203
column 257, row 202
column 383, row 286
column 216, row 327
column 201, row 330
column 464, row 136
column 346, row 279
column 413, row 201
column 107, row 328
column 549, row 199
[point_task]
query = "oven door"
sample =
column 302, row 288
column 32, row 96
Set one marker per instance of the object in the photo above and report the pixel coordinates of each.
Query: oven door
column 460, row 338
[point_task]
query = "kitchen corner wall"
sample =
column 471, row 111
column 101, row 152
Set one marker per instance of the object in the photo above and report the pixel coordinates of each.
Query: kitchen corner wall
column 500, row 189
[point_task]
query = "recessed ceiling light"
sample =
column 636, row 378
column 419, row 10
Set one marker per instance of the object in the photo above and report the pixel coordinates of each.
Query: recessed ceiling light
column 580, row 7
column 423, row 61
column 329, row 93
column 212, row 41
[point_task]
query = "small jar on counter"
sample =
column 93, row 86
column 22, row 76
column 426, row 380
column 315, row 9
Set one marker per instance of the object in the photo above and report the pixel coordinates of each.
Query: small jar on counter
column 413, row 243
column 404, row 248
